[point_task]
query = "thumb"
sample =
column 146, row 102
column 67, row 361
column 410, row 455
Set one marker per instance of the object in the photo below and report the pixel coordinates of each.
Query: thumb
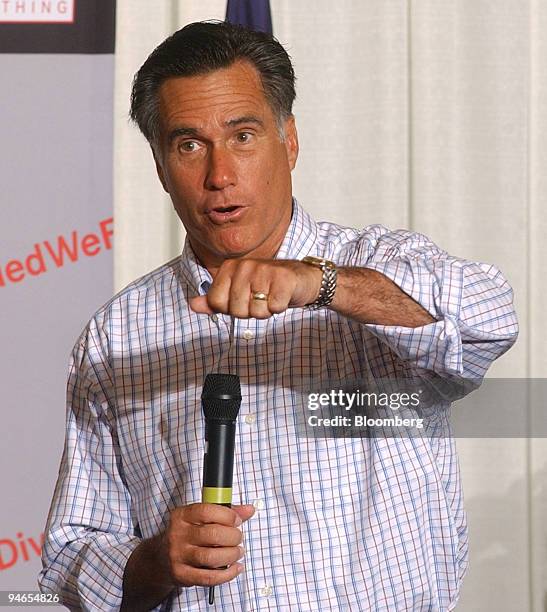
column 199, row 304
column 244, row 511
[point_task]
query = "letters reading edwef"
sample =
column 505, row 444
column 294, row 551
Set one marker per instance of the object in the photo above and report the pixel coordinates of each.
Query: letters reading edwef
column 57, row 253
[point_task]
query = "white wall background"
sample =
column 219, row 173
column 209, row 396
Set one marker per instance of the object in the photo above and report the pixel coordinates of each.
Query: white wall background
column 428, row 114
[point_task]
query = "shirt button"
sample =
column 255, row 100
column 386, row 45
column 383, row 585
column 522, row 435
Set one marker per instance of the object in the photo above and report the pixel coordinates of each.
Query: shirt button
column 248, row 334
column 258, row 504
column 214, row 318
column 250, row 419
column 265, row 591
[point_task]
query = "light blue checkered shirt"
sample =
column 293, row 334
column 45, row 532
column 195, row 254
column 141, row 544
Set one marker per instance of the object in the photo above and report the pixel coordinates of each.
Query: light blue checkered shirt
column 372, row 524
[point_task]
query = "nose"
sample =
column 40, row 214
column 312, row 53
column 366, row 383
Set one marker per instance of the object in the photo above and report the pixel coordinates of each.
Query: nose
column 220, row 169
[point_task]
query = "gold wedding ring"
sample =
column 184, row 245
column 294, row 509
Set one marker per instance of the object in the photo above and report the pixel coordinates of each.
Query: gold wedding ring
column 258, row 295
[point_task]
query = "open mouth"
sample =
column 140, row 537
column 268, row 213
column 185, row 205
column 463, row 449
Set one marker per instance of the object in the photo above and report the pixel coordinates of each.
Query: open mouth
column 223, row 214
column 227, row 209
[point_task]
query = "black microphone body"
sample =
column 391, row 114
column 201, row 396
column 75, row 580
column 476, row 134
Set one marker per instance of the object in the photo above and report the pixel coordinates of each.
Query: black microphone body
column 221, row 399
column 218, row 462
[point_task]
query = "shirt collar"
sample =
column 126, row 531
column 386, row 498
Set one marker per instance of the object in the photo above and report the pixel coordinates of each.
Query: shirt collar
column 299, row 241
column 301, row 235
column 193, row 272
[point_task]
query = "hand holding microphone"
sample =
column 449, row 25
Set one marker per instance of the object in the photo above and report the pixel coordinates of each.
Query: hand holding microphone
column 221, row 399
column 201, row 545
column 201, row 538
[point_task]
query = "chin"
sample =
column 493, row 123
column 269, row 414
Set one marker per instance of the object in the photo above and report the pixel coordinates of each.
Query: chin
column 234, row 251
column 235, row 248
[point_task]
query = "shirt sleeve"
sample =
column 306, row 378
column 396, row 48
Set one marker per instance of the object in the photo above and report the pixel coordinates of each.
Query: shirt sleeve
column 90, row 533
column 472, row 304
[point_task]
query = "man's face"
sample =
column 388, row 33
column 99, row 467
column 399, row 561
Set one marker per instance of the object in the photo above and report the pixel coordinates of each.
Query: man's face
column 222, row 161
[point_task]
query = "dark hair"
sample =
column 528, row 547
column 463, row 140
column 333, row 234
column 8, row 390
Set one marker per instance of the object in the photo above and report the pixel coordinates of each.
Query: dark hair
column 203, row 47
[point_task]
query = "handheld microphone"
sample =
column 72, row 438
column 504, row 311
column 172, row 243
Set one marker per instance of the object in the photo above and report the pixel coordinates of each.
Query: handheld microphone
column 220, row 399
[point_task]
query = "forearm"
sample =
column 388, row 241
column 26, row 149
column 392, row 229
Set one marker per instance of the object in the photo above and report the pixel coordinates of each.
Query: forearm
column 471, row 303
column 367, row 296
column 146, row 580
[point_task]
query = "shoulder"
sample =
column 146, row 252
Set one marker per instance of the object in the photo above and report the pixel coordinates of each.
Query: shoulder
column 138, row 302
column 153, row 287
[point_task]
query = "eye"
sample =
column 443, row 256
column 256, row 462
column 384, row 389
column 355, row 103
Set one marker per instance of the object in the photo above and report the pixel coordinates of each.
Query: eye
column 244, row 137
column 188, row 146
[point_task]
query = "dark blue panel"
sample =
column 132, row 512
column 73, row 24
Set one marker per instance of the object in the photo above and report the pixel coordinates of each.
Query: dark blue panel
column 254, row 14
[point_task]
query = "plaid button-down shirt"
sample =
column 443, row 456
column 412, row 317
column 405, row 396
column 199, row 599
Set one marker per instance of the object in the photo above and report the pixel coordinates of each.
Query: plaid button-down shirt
column 341, row 523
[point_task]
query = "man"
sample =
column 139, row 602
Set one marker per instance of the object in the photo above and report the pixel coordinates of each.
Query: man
column 373, row 523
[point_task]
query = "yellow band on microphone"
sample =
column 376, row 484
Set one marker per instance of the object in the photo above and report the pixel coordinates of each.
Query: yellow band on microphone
column 216, row 495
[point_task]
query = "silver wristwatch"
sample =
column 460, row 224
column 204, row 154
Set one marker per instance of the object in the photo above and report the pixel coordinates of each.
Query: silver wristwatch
column 328, row 282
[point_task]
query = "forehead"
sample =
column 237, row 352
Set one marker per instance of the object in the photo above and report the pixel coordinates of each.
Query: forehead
column 234, row 91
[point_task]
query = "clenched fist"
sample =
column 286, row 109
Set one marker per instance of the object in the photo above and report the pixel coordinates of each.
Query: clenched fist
column 201, row 538
column 283, row 283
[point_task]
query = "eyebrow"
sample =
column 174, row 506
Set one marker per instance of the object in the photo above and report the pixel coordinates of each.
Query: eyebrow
column 245, row 119
column 183, row 131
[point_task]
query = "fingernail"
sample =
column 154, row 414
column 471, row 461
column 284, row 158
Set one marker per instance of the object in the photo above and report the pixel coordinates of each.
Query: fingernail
column 242, row 550
column 241, row 568
column 238, row 521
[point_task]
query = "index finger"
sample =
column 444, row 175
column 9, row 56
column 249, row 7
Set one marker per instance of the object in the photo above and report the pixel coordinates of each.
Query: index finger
column 201, row 514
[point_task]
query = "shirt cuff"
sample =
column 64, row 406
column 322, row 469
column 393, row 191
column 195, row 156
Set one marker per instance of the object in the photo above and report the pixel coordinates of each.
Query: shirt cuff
column 100, row 583
column 436, row 346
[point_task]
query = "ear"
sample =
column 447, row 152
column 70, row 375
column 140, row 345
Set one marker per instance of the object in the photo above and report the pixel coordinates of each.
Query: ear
column 159, row 168
column 291, row 141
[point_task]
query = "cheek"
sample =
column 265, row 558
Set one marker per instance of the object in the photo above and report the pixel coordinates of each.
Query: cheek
column 262, row 168
column 185, row 178
column 277, row 170
column 185, row 196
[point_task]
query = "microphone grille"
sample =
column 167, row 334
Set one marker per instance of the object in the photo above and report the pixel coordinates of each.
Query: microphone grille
column 221, row 396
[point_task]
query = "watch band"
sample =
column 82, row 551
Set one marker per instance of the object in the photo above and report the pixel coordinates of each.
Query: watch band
column 328, row 282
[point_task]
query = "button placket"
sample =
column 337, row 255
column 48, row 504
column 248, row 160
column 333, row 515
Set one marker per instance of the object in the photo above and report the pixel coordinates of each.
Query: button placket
column 259, row 504
column 248, row 334
column 265, row 591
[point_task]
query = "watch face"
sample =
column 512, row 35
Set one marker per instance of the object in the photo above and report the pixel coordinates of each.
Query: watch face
column 319, row 262
column 316, row 261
